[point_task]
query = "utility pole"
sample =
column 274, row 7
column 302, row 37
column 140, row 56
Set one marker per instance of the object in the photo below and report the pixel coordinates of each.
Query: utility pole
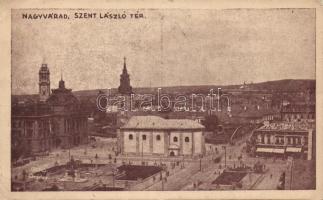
column 291, row 174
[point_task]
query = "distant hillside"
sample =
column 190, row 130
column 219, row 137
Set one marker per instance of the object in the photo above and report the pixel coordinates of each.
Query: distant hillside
column 287, row 85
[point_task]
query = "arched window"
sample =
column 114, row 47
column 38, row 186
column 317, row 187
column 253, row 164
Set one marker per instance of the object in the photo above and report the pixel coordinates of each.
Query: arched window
column 144, row 137
column 187, row 139
column 175, row 139
column 158, row 137
column 130, row 137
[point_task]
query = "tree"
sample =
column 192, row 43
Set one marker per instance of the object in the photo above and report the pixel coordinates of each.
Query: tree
column 211, row 123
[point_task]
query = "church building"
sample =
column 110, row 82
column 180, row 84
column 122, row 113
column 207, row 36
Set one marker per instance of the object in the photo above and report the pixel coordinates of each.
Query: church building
column 153, row 135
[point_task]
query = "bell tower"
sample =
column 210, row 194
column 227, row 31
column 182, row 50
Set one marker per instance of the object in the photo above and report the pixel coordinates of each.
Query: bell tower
column 125, row 87
column 44, row 83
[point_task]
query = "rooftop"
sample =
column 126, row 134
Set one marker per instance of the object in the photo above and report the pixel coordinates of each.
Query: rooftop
column 303, row 108
column 288, row 126
column 155, row 122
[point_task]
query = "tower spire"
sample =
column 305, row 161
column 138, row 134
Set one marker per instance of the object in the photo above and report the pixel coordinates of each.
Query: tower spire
column 125, row 87
column 61, row 83
column 124, row 63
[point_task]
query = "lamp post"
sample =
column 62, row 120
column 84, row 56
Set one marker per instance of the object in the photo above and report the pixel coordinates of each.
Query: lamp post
column 96, row 160
column 113, row 177
column 291, row 174
column 69, row 148
column 85, row 148
column 142, row 151
column 219, row 91
column 162, row 184
column 183, row 163
column 162, row 179
column 24, row 178
column 225, row 156
column 57, row 157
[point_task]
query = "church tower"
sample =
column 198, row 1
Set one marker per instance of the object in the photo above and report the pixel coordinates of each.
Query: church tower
column 44, row 83
column 125, row 87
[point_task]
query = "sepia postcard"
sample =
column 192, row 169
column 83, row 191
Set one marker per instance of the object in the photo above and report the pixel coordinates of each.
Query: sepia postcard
column 171, row 100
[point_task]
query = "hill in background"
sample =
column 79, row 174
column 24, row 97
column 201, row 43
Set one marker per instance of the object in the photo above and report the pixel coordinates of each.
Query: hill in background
column 286, row 85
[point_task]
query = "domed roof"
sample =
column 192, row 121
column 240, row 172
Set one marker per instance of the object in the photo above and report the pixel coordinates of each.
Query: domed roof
column 62, row 96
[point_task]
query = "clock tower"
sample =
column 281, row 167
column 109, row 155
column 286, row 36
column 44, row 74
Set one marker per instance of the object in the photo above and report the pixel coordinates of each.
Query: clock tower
column 44, row 83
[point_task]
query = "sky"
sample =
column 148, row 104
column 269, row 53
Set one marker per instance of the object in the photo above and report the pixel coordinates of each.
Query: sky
column 164, row 48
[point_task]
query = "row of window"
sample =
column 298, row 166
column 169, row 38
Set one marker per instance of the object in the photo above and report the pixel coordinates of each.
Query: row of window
column 281, row 140
column 299, row 116
column 175, row 139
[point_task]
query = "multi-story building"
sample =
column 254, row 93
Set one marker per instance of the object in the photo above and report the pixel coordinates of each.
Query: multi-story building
column 285, row 139
column 69, row 119
column 298, row 112
column 31, row 129
column 55, row 120
column 156, row 136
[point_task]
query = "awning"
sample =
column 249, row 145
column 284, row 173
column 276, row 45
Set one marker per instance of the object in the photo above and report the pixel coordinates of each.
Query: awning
column 294, row 149
column 264, row 150
column 278, row 150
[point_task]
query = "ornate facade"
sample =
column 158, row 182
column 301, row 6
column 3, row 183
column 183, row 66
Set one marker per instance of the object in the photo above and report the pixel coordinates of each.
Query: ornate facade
column 286, row 139
column 55, row 120
column 44, row 83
